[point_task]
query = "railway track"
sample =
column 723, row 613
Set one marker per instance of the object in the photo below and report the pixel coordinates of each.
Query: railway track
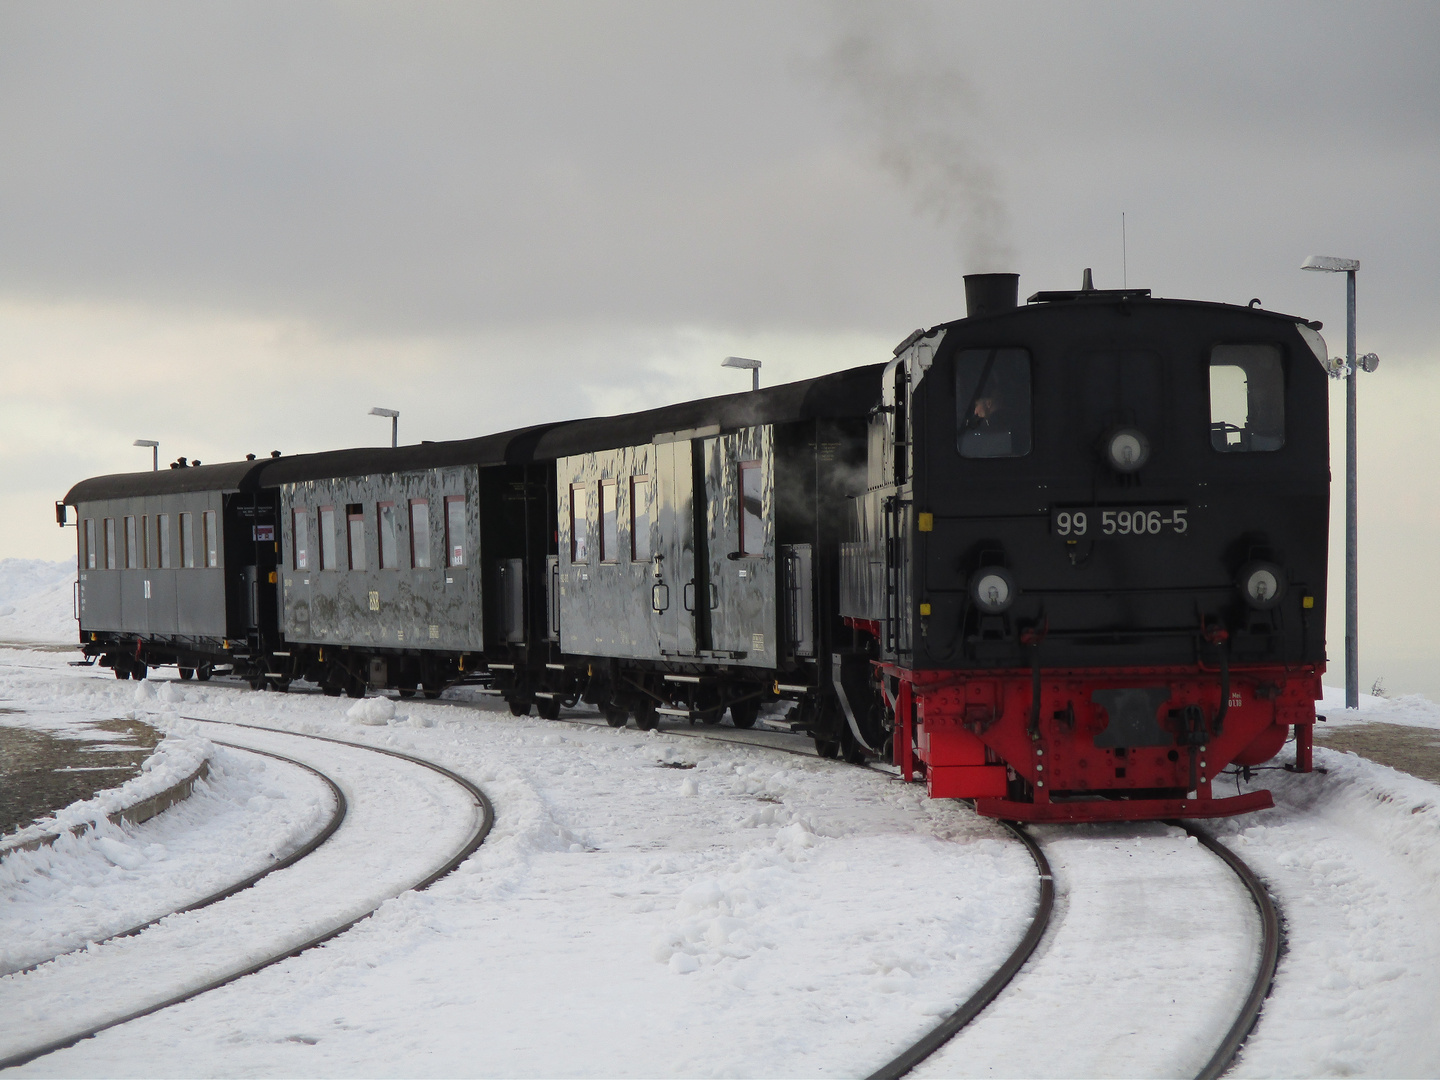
column 149, row 955
column 337, row 815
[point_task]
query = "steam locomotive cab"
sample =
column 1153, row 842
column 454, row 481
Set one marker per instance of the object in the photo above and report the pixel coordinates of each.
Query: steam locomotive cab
column 1092, row 551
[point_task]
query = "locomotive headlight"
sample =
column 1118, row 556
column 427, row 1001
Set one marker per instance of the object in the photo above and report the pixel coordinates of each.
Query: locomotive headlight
column 1262, row 584
column 1127, row 449
column 993, row 589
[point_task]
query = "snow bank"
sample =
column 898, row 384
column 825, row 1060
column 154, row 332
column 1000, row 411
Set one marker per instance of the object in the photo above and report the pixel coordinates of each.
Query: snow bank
column 1353, row 857
column 20, row 578
column 249, row 811
column 176, row 758
column 37, row 601
column 1410, row 710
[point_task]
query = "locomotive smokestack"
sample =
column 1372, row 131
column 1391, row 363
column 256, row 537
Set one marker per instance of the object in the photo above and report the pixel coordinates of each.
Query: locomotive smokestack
column 990, row 294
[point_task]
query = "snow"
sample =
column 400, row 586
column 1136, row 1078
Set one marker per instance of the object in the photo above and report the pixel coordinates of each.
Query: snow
column 650, row 904
column 37, row 601
column 248, row 812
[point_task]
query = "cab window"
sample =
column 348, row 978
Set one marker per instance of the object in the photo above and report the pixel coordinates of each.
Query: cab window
column 1247, row 398
column 992, row 399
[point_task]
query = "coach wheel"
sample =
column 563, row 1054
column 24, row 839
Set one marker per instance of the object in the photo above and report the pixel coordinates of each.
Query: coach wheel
column 519, row 708
column 646, row 718
column 744, row 714
column 330, row 689
column 354, row 688
column 138, row 671
column 186, row 673
column 616, row 716
column 407, row 688
column 258, row 681
column 548, row 708
column 203, row 673
column 120, row 666
column 827, row 748
column 433, row 694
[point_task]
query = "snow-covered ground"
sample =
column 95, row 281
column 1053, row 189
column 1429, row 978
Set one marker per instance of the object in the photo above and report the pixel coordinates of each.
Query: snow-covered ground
column 649, row 904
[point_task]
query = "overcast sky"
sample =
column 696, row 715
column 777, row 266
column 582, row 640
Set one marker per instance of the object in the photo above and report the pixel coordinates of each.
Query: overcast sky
column 236, row 227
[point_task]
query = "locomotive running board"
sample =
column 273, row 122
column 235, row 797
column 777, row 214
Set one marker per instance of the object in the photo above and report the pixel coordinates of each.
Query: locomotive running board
column 1124, row 809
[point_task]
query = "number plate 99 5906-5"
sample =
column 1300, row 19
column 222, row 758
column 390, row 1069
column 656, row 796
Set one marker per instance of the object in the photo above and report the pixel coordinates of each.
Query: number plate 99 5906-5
column 1072, row 522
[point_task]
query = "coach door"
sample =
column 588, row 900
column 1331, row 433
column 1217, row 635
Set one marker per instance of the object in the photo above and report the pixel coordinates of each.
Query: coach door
column 673, row 592
column 740, row 535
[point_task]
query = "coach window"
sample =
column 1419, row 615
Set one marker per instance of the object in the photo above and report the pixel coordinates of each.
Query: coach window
column 187, row 540
column 162, row 541
column 212, row 538
column 90, row 543
column 609, row 521
column 640, row 518
column 355, row 529
column 455, row 529
column 111, row 554
column 1247, row 398
column 389, row 536
column 579, row 524
column 131, row 547
column 992, row 399
column 300, row 539
column 752, row 527
column 145, row 540
column 420, row 533
column 327, row 539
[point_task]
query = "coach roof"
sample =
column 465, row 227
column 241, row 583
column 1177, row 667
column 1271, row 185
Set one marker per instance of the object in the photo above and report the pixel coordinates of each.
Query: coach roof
column 843, row 393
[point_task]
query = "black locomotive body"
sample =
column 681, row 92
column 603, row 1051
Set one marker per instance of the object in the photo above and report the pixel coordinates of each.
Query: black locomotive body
column 1067, row 559
column 1093, row 552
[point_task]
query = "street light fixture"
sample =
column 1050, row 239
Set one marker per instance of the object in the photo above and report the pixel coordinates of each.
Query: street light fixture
column 741, row 362
column 394, row 415
column 154, row 452
column 1346, row 370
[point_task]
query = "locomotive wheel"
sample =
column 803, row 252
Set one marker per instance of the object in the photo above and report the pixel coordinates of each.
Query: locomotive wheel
column 120, row 667
column 827, row 748
column 330, row 689
column 407, row 691
column 548, row 708
column 258, row 681
column 203, row 673
column 519, row 708
column 646, row 718
column 616, row 716
column 138, row 672
column 433, row 694
column 186, row 673
column 745, row 714
column 354, row 688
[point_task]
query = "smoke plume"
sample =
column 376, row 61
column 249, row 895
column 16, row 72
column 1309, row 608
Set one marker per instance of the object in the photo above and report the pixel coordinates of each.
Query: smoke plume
column 924, row 120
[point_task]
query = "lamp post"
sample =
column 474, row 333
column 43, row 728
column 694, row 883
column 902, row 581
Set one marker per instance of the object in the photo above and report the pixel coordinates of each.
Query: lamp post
column 154, row 452
column 1352, row 577
column 741, row 362
column 394, row 415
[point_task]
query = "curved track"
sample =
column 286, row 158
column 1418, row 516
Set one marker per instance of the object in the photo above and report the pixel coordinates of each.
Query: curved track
column 484, row 819
column 1272, row 941
column 336, row 817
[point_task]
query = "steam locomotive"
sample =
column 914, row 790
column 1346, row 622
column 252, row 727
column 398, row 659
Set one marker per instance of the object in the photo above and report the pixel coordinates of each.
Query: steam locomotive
column 1066, row 558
